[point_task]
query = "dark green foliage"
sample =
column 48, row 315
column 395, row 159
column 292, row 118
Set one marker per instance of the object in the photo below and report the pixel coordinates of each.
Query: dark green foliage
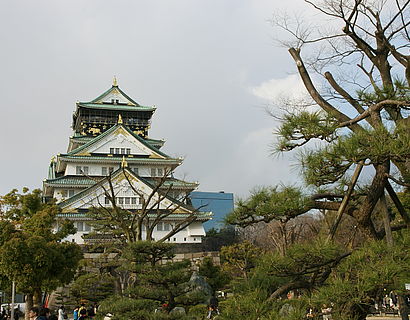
column 362, row 278
column 297, row 129
column 213, row 274
column 267, row 204
column 92, row 287
column 141, row 252
column 30, row 251
column 127, row 308
column 215, row 239
column 248, row 305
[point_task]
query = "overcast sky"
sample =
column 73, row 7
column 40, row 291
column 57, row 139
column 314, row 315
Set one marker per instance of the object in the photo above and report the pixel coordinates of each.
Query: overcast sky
column 210, row 67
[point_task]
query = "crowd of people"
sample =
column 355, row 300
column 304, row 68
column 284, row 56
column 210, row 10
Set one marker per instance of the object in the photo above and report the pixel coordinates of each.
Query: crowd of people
column 79, row 313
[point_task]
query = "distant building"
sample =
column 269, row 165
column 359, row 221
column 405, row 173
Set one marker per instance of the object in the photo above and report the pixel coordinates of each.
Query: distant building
column 110, row 150
column 219, row 203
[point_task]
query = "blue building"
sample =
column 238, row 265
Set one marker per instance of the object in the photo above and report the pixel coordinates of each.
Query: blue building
column 219, row 203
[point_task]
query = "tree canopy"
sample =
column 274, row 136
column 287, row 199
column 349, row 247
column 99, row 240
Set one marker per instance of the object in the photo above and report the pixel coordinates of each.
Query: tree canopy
column 31, row 251
column 357, row 110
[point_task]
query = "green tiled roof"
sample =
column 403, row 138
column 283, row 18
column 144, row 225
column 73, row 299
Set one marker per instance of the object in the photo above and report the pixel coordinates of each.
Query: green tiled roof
column 114, row 87
column 175, row 216
column 73, row 181
column 131, row 160
column 108, row 132
column 176, row 183
column 132, row 105
column 82, row 139
column 120, row 107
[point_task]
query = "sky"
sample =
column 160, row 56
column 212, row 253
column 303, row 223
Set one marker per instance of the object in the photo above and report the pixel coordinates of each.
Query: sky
column 211, row 68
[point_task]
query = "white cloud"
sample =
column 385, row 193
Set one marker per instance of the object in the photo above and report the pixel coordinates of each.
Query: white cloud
column 290, row 86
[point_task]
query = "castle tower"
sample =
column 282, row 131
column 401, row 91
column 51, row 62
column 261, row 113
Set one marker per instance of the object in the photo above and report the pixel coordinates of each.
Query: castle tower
column 110, row 143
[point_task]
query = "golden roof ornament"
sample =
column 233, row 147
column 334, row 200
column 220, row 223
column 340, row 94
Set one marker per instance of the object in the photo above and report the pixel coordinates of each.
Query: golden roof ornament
column 114, row 82
column 119, row 119
column 124, row 162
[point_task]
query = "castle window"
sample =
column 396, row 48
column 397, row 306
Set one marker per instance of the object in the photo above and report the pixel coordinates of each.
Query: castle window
column 81, row 170
column 128, row 150
column 80, row 226
column 122, row 150
column 127, row 200
column 71, row 193
column 106, row 170
column 160, row 172
column 117, row 150
column 112, row 150
column 133, row 200
column 107, row 200
column 163, row 226
column 153, row 172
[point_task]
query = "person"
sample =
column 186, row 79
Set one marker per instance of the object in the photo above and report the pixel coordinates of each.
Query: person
column 326, row 312
column 75, row 313
column 17, row 313
column 404, row 305
column 33, row 313
column 310, row 313
column 3, row 314
column 91, row 312
column 82, row 306
column 61, row 313
column 43, row 314
column 83, row 315
column 213, row 306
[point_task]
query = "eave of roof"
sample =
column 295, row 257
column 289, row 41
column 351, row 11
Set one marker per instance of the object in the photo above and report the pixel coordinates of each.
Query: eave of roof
column 108, row 132
column 176, row 183
column 114, row 87
column 119, row 107
column 175, row 216
column 133, row 160
column 73, row 181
